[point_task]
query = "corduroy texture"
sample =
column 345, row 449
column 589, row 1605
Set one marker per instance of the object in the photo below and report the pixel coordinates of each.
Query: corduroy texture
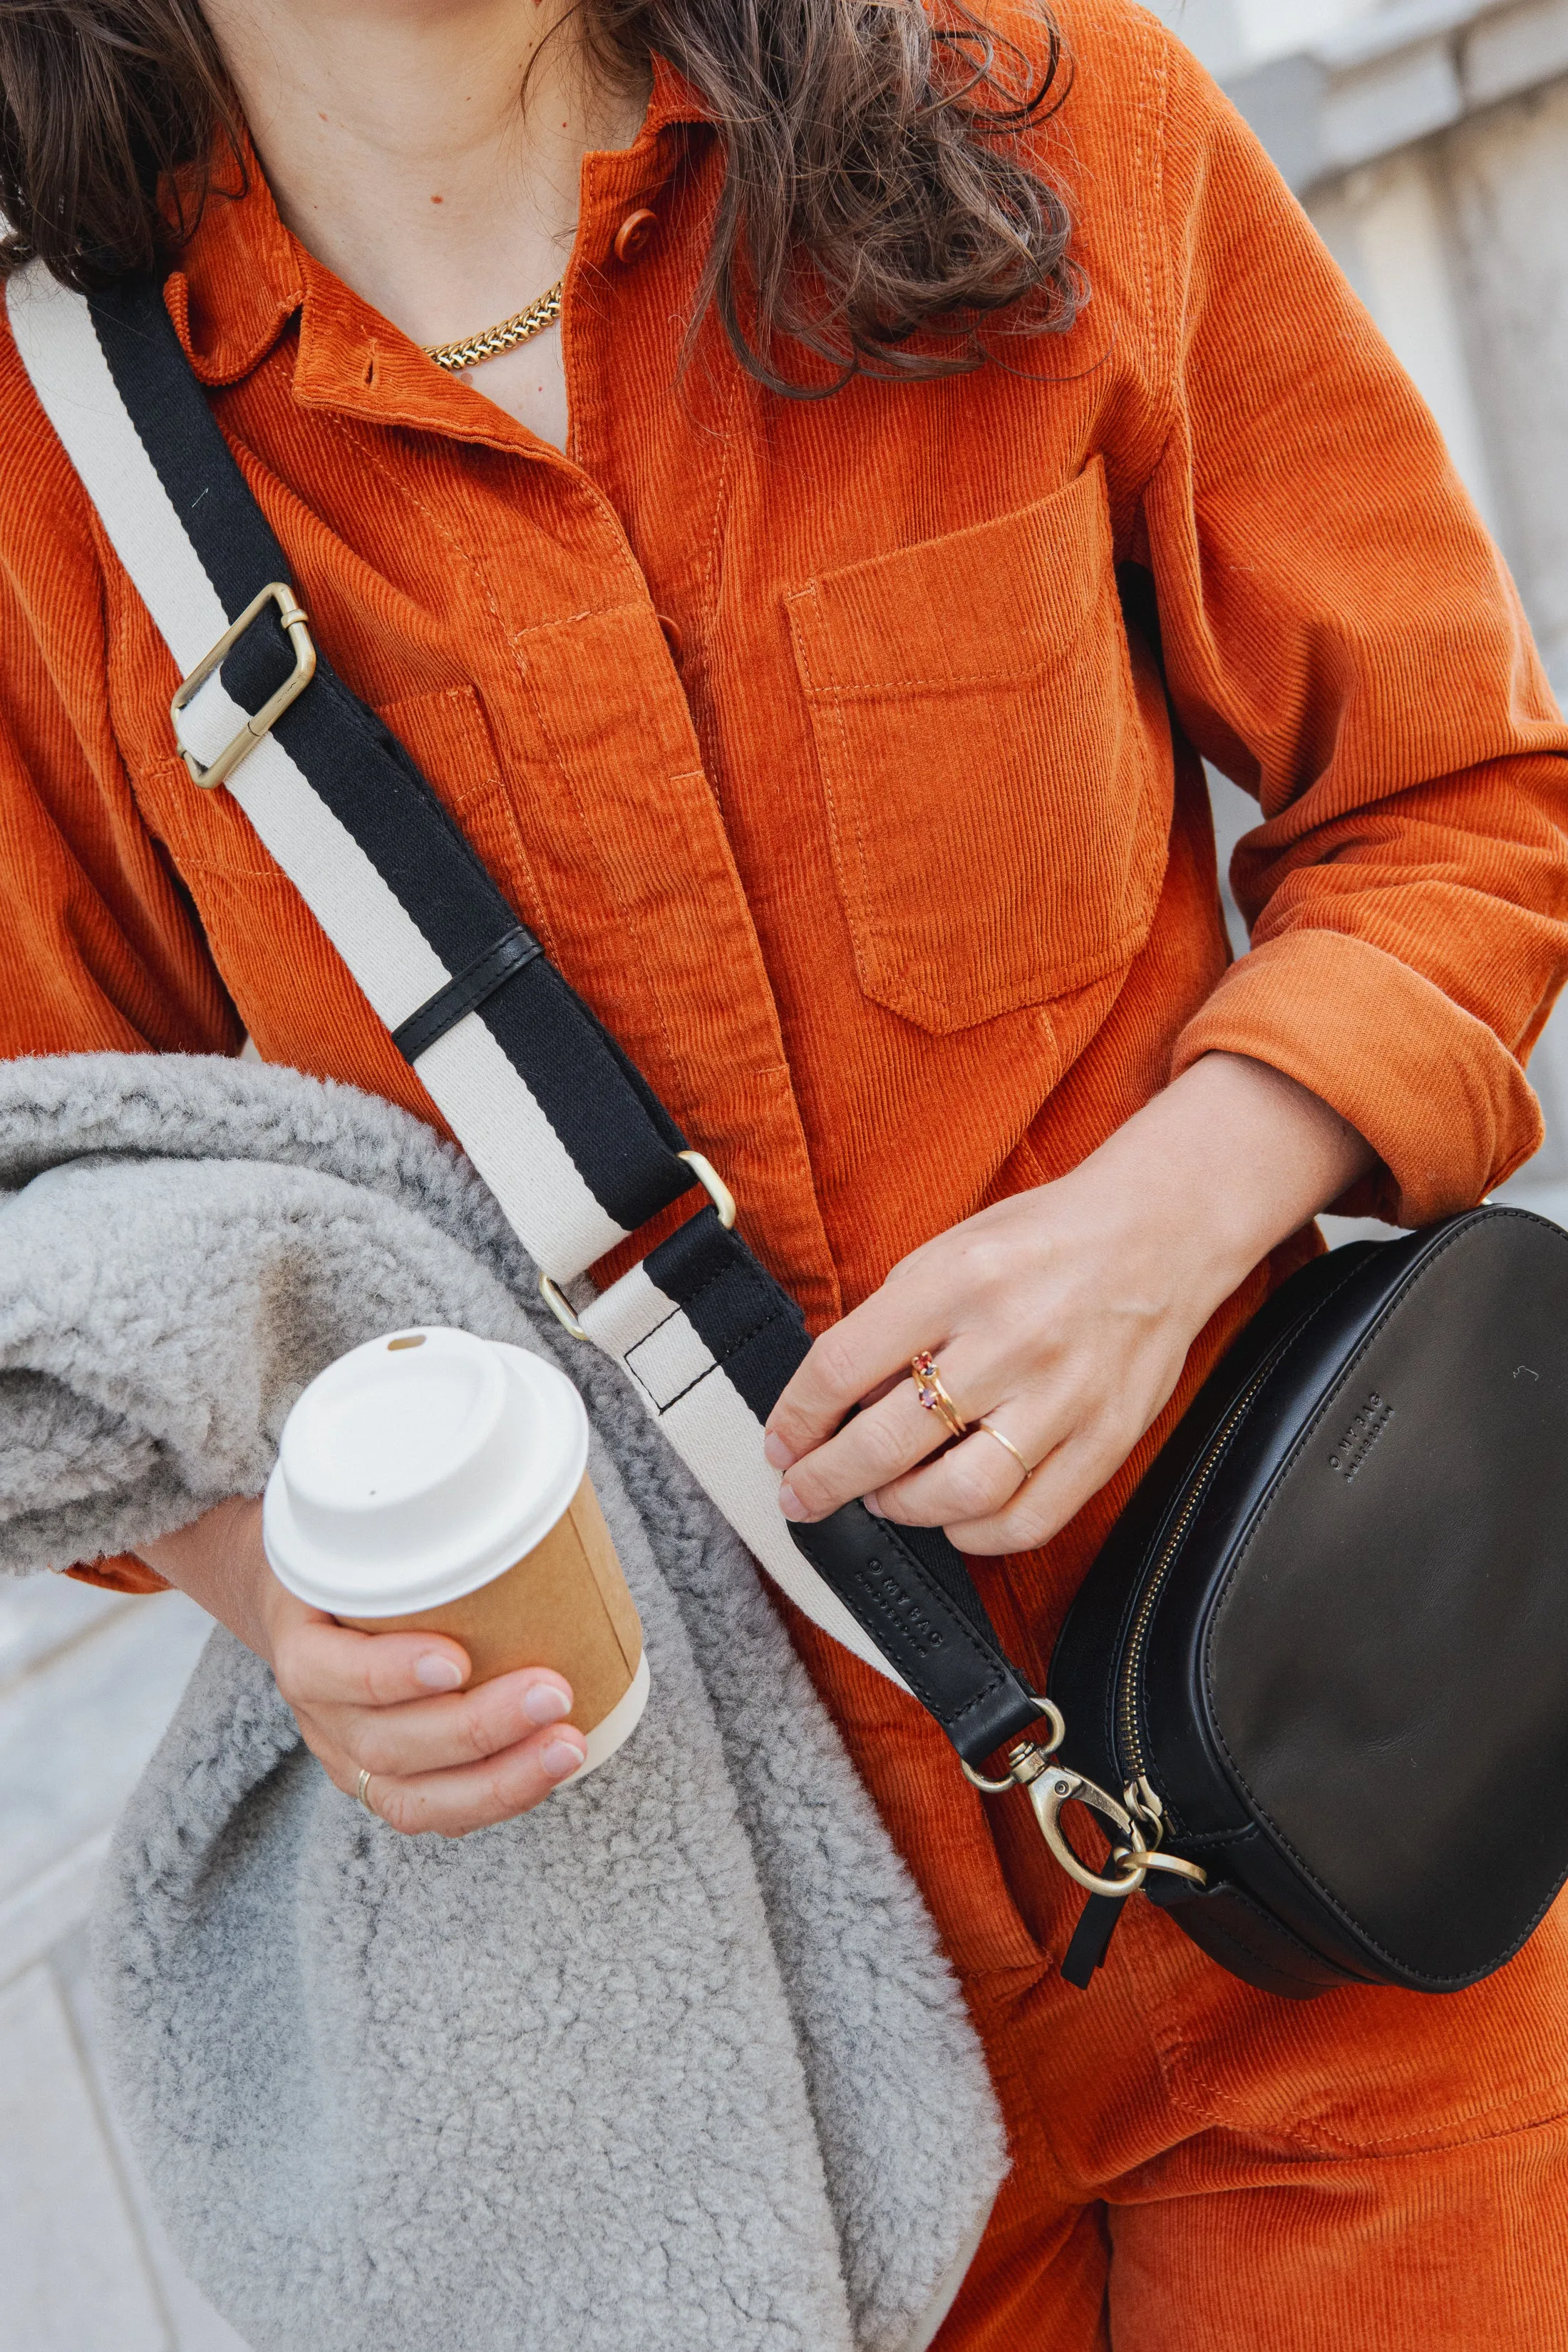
column 810, row 741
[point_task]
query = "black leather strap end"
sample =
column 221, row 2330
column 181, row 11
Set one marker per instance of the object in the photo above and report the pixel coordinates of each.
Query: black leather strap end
column 947, row 1662
column 1091, row 1939
column 461, row 994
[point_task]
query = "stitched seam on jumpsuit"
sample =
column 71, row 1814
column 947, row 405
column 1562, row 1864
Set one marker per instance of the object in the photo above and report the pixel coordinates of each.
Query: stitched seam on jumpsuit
column 1166, row 356
column 867, row 689
column 1152, row 210
column 651, row 992
column 1394, row 2147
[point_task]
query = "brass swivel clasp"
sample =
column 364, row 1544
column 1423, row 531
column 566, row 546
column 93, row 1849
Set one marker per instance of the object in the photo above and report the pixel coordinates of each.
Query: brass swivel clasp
column 1054, row 1786
column 1050, row 1785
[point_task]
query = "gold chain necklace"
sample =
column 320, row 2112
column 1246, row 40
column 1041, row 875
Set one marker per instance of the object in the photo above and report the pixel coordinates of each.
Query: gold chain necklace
column 518, row 329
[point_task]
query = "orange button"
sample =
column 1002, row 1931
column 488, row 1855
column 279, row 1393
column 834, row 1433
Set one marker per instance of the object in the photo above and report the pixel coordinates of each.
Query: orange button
column 633, row 235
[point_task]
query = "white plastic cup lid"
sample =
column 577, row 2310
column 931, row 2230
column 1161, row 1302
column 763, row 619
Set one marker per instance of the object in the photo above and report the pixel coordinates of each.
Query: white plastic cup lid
column 416, row 1468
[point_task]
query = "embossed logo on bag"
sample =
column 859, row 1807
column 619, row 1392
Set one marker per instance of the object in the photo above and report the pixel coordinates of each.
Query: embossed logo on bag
column 1361, row 1436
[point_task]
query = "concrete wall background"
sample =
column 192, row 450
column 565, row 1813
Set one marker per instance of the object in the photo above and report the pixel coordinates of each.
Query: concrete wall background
column 1502, row 189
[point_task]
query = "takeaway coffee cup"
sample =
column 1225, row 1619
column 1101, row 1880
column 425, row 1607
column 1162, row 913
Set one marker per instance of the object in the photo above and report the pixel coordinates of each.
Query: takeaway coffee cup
column 430, row 1479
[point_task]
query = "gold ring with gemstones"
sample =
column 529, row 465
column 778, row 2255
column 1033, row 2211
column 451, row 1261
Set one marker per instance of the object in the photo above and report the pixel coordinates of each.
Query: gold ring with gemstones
column 933, row 1396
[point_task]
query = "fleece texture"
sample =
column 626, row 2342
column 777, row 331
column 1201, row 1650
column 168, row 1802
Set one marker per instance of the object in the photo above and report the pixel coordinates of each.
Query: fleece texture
column 673, row 2063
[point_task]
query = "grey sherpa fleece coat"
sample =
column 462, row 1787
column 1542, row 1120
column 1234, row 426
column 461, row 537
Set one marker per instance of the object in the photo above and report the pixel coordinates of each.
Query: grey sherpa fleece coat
column 673, row 2063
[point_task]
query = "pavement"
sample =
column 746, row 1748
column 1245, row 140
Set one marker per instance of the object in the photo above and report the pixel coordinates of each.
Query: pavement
column 88, row 1680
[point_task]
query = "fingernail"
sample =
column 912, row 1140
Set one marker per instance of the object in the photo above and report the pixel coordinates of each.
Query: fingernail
column 543, row 1705
column 790, row 1503
column 436, row 1672
column 874, row 1506
column 560, row 1757
column 776, row 1453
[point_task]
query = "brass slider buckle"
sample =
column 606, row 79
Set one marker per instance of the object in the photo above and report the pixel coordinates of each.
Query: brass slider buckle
column 718, row 1192
column 291, row 615
column 559, row 1305
column 713, row 1185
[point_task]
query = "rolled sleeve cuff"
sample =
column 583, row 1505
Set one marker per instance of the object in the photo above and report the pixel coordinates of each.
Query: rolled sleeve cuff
column 123, row 1574
column 1446, row 1105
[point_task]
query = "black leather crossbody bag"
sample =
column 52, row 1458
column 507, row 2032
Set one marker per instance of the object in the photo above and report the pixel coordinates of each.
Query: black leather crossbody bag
column 1317, row 1682
column 1323, row 1655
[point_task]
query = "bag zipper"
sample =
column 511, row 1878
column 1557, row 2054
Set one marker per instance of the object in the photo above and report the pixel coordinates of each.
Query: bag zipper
column 1132, row 1759
column 1142, row 1816
column 1091, row 1939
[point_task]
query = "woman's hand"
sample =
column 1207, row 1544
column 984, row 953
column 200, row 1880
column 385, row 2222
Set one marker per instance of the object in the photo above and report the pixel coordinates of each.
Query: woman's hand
column 440, row 1758
column 1061, row 1316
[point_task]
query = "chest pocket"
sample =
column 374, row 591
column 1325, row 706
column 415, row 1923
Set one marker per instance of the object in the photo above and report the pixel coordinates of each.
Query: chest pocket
column 996, row 806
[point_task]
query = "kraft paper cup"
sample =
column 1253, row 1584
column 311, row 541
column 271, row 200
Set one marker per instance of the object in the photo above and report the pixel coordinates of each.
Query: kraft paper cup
column 431, row 1480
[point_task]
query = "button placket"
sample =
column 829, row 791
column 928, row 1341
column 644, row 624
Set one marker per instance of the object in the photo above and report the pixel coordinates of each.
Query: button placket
column 688, row 994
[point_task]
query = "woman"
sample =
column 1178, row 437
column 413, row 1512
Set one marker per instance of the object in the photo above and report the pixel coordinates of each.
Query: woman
column 760, row 623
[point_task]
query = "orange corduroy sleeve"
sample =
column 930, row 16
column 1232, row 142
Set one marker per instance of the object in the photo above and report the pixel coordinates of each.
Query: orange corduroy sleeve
column 102, row 953
column 1342, row 638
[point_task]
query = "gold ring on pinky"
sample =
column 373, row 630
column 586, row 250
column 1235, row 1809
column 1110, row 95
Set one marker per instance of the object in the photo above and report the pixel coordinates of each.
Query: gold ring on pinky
column 991, row 1431
column 933, row 1396
column 365, row 1800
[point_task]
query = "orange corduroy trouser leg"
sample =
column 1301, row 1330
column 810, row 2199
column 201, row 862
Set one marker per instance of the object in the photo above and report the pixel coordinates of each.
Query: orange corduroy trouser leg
column 1199, row 2167
column 1203, row 2167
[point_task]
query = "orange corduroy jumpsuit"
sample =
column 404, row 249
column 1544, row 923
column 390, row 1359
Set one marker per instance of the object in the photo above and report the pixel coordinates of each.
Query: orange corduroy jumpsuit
column 817, row 744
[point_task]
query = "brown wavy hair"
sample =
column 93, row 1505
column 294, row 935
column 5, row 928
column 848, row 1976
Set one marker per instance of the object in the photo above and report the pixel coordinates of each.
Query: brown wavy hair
column 881, row 201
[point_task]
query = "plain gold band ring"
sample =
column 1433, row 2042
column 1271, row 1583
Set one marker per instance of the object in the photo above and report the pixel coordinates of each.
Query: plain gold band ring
column 992, row 1432
column 933, row 1396
column 360, row 1793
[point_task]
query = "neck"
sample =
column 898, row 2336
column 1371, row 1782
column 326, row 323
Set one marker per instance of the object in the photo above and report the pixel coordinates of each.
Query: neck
column 403, row 153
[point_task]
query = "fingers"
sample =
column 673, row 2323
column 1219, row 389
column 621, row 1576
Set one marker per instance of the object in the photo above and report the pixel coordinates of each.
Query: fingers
column 319, row 1662
column 871, row 1346
column 1035, row 1509
column 447, row 1762
column 972, row 1482
column 371, row 1696
column 1054, row 1494
column 434, row 1735
column 880, row 1444
column 476, row 1796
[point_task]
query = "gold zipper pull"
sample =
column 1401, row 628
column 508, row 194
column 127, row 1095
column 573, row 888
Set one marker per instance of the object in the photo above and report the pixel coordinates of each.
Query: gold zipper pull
column 1142, row 1801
